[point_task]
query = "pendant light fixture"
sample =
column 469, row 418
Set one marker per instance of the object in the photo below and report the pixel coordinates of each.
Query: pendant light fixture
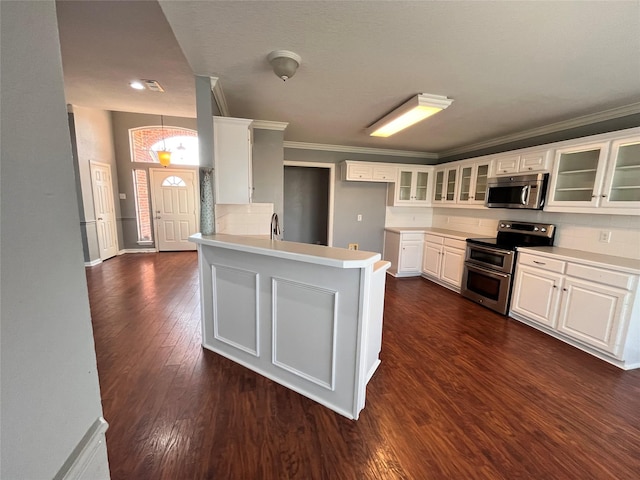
column 164, row 155
column 414, row 110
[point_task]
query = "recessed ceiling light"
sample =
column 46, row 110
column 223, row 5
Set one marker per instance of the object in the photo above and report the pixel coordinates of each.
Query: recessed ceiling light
column 137, row 85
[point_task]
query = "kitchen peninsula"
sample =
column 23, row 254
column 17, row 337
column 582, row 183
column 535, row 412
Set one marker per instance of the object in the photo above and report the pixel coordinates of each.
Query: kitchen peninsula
column 306, row 316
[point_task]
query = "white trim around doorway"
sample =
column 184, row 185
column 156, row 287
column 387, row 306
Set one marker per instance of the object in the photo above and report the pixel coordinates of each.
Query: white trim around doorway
column 332, row 181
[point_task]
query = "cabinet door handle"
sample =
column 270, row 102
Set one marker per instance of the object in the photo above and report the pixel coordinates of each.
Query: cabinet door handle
column 603, row 196
column 593, row 196
column 555, row 286
column 539, row 263
column 564, row 289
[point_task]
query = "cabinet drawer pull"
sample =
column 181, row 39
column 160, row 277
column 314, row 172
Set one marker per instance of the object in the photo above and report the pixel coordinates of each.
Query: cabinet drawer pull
column 564, row 289
column 539, row 263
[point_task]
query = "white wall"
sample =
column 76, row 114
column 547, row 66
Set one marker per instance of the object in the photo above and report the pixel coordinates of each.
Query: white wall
column 50, row 395
column 94, row 143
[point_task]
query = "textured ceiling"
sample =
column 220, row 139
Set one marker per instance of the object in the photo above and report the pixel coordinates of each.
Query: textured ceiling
column 509, row 66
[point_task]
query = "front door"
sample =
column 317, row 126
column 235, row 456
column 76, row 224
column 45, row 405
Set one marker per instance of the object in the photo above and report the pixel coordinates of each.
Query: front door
column 174, row 195
column 104, row 209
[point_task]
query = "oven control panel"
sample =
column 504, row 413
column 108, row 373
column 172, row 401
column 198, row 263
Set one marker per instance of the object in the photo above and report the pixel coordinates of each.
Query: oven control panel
column 541, row 229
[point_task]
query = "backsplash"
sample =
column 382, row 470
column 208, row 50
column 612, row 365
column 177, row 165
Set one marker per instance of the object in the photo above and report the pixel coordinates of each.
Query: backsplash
column 576, row 231
column 247, row 219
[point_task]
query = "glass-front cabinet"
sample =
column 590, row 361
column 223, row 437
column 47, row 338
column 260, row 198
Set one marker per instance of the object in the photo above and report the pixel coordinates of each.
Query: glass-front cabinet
column 446, row 185
column 597, row 175
column 473, row 183
column 622, row 182
column 412, row 187
column 577, row 175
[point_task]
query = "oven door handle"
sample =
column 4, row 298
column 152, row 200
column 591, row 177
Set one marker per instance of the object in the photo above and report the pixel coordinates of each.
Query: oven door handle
column 489, row 249
column 487, row 271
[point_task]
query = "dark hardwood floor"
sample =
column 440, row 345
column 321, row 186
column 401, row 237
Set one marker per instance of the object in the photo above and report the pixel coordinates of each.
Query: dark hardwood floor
column 462, row 393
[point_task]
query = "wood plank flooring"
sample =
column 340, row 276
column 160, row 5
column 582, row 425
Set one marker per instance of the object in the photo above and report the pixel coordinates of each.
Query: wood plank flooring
column 462, row 393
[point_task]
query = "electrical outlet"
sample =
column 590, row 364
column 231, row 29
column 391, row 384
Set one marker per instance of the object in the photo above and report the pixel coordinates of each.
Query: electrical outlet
column 359, row 217
column 353, row 246
column 605, row 237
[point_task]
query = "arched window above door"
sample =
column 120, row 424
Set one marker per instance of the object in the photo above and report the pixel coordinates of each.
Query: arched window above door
column 181, row 142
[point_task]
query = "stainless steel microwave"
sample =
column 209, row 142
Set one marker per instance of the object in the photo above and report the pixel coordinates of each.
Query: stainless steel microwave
column 517, row 191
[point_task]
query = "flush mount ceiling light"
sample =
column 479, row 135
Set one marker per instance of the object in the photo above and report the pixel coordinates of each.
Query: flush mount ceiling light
column 284, row 63
column 414, row 110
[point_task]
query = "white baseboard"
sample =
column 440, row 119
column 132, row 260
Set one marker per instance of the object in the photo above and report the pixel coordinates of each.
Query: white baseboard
column 93, row 263
column 138, row 250
column 88, row 457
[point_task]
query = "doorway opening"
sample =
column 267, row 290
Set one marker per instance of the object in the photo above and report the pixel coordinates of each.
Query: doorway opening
column 308, row 202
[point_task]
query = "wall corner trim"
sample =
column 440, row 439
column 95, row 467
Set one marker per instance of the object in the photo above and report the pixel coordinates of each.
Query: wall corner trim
column 81, row 457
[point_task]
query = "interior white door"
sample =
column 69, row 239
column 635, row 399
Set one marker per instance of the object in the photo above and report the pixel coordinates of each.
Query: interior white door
column 174, row 195
column 104, row 209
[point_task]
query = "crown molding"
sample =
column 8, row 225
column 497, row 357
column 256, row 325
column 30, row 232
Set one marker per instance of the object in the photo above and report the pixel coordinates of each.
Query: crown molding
column 364, row 150
column 218, row 95
column 269, row 125
column 582, row 121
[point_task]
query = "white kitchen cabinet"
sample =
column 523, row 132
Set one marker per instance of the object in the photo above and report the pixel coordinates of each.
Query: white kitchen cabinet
column 404, row 251
column 412, row 187
column 473, row 183
column 577, row 175
column 536, row 294
column 593, row 306
column 591, row 313
column 232, row 143
column 445, row 185
column 443, row 260
column 622, row 179
column 527, row 162
column 356, row 171
column 602, row 177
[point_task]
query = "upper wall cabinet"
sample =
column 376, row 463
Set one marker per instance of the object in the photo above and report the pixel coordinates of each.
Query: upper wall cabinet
column 355, row 171
column 603, row 177
column 412, row 187
column 445, row 185
column 232, row 142
column 473, row 183
column 537, row 161
column 622, row 179
column 577, row 175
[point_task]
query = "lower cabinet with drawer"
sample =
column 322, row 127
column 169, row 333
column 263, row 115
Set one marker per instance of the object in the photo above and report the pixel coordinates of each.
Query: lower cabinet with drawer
column 404, row 251
column 593, row 307
column 443, row 260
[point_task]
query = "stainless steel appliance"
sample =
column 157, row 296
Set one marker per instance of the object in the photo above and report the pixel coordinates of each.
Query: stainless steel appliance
column 518, row 191
column 489, row 262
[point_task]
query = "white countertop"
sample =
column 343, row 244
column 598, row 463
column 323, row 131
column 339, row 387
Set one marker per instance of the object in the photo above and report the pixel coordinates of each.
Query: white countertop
column 301, row 252
column 628, row 265
column 438, row 231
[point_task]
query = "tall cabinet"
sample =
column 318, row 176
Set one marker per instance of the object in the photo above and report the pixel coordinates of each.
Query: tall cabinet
column 232, row 143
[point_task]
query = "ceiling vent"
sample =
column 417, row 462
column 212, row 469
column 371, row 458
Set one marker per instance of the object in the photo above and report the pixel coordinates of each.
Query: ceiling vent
column 153, row 85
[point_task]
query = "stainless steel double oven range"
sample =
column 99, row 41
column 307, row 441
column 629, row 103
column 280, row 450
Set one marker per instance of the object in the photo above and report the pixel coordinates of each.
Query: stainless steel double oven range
column 490, row 262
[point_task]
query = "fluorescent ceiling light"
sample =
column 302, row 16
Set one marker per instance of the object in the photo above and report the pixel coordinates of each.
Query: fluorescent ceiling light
column 417, row 108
